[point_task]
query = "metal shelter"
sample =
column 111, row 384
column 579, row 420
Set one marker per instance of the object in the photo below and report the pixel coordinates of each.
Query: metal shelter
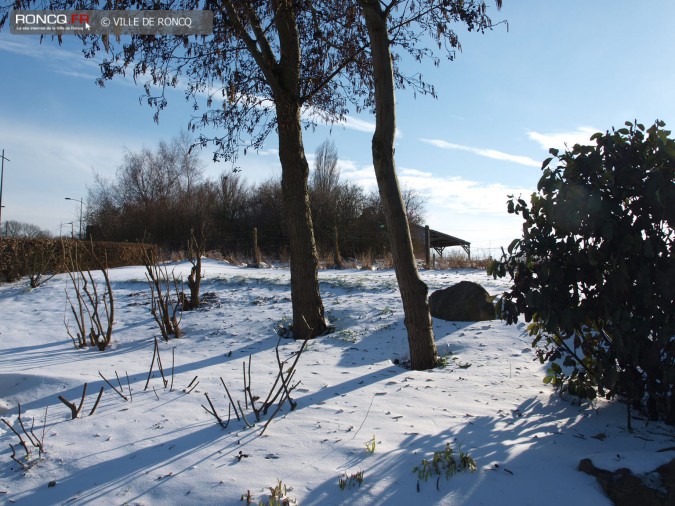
column 429, row 239
column 438, row 241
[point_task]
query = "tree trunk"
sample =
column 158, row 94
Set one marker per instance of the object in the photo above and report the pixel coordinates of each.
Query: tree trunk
column 413, row 289
column 308, row 313
column 284, row 79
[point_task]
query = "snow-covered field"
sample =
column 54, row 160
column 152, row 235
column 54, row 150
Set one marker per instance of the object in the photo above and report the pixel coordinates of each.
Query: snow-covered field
column 162, row 447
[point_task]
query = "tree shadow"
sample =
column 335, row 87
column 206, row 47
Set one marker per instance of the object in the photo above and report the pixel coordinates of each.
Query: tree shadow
column 512, row 453
column 149, row 467
column 137, row 378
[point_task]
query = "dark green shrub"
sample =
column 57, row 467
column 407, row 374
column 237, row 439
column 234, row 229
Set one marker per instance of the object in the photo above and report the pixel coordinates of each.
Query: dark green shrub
column 594, row 271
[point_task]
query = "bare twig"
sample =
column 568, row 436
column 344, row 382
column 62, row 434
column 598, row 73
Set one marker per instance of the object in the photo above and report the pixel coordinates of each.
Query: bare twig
column 118, row 381
column 291, row 370
column 32, row 438
column 243, row 416
column 21, row 440
column 152, row 363
column 193, row 380
column 100, row 394
column 279, row 406
column 159, row 364
column 215, row 413
column 188, row 389
column 35, row 442
column 131, row 398
column 75, row 410
column 247, row 388
column 231, row 401
column 118, row 392
column 44, row 429
column 281, row 389
column 13, row 457
column 173, row 363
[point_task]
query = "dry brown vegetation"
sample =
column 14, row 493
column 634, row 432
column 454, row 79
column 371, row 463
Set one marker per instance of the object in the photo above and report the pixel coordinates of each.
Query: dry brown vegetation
column 39, row 257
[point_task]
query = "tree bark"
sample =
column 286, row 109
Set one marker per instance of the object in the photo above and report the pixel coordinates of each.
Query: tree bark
column 283, row 78
column 413, row 289
column 308, row 312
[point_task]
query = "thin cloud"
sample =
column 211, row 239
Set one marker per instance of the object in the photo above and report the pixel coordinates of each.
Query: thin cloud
column 487, row 153
column 357, row 124
column 454, row 195
column 459, row 195
column 581, row 135
column 415, row 173
column 62, row 60
column 72, row 63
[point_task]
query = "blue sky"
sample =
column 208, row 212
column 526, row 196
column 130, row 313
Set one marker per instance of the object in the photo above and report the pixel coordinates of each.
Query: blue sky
column 562, row 71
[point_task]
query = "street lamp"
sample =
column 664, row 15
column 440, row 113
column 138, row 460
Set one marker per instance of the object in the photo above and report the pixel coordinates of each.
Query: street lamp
column 2, row 177
column 77, row 200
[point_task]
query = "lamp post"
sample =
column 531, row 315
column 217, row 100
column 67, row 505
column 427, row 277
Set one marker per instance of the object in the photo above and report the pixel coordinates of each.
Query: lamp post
column 2, row 177
column 78, row 200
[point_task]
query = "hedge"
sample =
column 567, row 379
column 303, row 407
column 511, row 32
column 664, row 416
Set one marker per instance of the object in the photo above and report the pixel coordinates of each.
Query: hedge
column 23, row 257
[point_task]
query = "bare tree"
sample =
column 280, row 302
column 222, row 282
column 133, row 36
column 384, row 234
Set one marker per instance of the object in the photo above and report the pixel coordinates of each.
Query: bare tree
column 233, row 196
column 151, row 185
column 326, row 175
column 19, row 229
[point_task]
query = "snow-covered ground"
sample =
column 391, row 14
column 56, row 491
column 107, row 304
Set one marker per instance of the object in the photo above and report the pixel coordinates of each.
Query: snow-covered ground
column 162, row 447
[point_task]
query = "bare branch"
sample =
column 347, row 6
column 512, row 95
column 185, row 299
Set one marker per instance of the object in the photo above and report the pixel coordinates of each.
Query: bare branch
column 100, row 394
column 118, row 392
column 215, row 413
column 75, row 410
column 231, row 401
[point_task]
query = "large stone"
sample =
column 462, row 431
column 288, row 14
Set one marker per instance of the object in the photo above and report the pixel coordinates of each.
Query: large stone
column 627, row 489
column 466, row 301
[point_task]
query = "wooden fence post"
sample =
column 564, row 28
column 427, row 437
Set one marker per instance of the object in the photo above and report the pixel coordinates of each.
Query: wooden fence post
column 256, row 251
column 427, row 247
column 337, row 259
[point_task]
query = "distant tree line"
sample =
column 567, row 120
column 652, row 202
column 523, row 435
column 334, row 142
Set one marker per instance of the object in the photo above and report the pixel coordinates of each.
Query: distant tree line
column 160, row 195
column 19, row 229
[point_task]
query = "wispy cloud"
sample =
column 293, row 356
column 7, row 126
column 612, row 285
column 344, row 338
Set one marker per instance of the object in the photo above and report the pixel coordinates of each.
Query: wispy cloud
column 487, row 153
column 460, row 195
column 357, row 124
column 60, row 59
column 560, row 140
column 350, row 122
column 71, row 62
column 468, row 209
column 454, row 194
column 415, row 173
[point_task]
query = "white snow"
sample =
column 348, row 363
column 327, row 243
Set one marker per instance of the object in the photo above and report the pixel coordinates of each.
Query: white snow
column 163, row 448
